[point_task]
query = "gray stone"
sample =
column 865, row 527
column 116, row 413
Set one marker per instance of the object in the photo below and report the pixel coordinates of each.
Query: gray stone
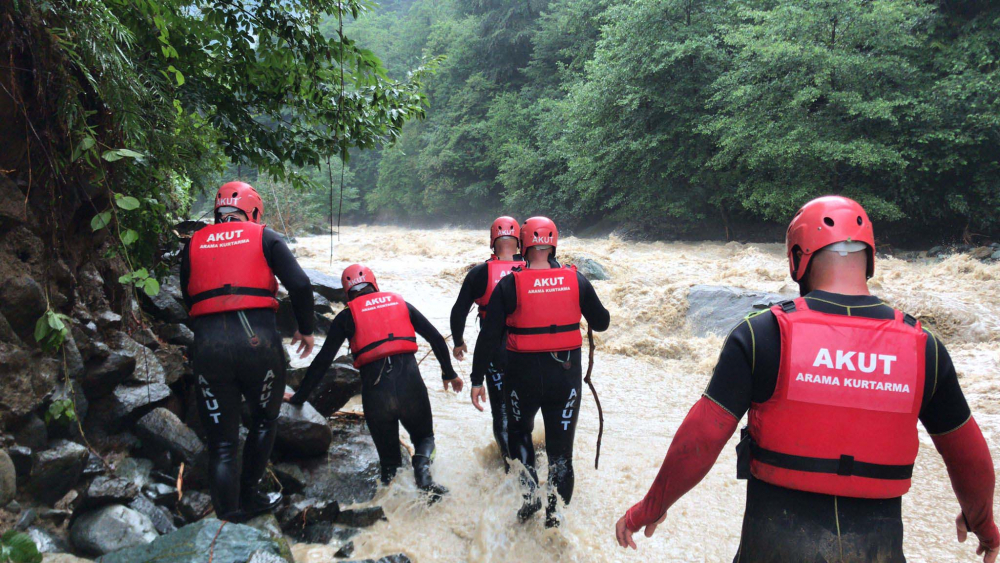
column 94, row 466
column 110, row 490
column 165, row 306
column 350, row 470
column 326, row 285
column 108, row 319
column 322, row 305
column 111, row 529
column 126, row 402
column 292, row 478
column 590, row 268
column 327, row 533
column 398, row 558
column 63, row 558
column 26, row 519
column 717, row 309
column 32, row 434
column 8, row 479
column 135, row 471
column 57, row 470
column 222, row 541
column 176, row 333
column 159, row 517
column 265, row 557
column 46, row 542
column 74, row 367
column 361, row 517
column 22, row 459
column 22, row 302
column 147, row 367
column 194, row 505
column 302, row 512
column 161, row 494
column 935, row 250
column 164, row 430
column 981, row 253
column 174, row 363
column 25, row 380
column 995, row 255
column 302, row 431
column 340, row 383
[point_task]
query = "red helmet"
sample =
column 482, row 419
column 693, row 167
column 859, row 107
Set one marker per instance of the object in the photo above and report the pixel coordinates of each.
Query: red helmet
column 357, row 274
column 539, row 231
column 242, row 196
column 504, row 227
column 825, row 221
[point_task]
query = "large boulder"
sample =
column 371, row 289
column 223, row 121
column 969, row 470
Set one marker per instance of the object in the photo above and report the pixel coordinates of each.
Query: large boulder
column 340, row 383
column 590, row 268
column 176, row 333
column 8, row 479
column 127, row 403
column 111, row 529
column 32, row 433
column 56, row 470
column 162, row 429
column 168, row 304
column 349, row 471
column 22, row 303
column 716, row 309
column 302, row 431
column 105, row 490
column 127, row 362
column 223, row 542
column 25, row 381
column 326, row 285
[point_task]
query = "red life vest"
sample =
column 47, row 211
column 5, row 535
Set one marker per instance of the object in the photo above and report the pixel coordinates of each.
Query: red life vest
column 229, row 271
column 547, row 317
column 843, row 416
column 495, row 271
column 382, row 327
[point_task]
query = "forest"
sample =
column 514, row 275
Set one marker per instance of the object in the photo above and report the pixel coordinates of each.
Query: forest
column 691, row 117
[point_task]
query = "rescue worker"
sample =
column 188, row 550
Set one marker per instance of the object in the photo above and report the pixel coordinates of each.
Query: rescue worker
column 505, row 243
column 540, row 307
column 834, row 382
column 381, row 328
column 228, row 281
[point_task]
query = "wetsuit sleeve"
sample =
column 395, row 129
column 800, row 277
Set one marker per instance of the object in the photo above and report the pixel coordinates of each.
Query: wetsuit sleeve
column 502, row 303
column 341, row 329
column 598, row 318
column 284, row 265
column 425, row 329
column 692, row 453
column 186, row 273
column 970, row 468
column 473, row 286
column 946, row 408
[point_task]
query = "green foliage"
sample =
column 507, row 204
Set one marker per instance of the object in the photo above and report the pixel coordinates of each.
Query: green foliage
column 62, row 411
column 18, row 547
column 51, row 330
column 670, row 115
column 141, row 279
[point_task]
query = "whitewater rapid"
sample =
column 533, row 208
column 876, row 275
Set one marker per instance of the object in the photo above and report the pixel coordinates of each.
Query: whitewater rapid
column 649, row 370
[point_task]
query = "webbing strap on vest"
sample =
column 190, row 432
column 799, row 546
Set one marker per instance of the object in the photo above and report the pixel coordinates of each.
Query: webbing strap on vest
column 787, row 306
column 378, row 343
column 231, row 290
column 910, row 320
column 845, row 466
column 551, row 329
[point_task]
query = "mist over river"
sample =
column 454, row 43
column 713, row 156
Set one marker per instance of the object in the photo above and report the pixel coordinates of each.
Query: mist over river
column 649, row 370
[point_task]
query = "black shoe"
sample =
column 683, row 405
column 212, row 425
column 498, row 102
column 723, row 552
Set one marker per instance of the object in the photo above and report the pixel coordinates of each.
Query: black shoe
column 257, row 502
column 422, row 475
column 528, row 509
column 552, row 519
column 434, row 493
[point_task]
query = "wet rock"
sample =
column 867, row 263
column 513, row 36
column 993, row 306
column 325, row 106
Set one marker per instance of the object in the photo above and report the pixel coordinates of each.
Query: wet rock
column 361, row 517
column 981, row 253
column 126, row 403
column 7, row 333
column 27, row 518
column 22, row 302
column 717, row 309
column 292, row 478
column 145, row 337
column 110, row 529
column 161, row 494
column 935, row 250
column 63, row 558
column 32, row 434
column 302, row 431
column 334, row 535
column 339, row 384
column 102, row 377
column 74, row 358
column 47, row 542
column 398, row 558
column 8, row 479
column 226, row 542
column 349, row 472
column 147, row 367
column 165, row 306
column 68, row 502
column 57, row 470
column 25, row 381
column 21, row 457
column 94, row 466
column 108, row 319
column 302, row 512
column 185, row 229
column 135, row 471
column 164, row 430
column 176, row 333
column 110, row 490
column 322, row 305
column 590, row 268
column 158, row 516
column 995, row 255
column 194, row 505
column 326, row 285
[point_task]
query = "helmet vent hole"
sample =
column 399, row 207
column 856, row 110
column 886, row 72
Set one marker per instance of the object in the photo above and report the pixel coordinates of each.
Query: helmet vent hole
column 235, row 194
column 828, row 221
column 860, row 221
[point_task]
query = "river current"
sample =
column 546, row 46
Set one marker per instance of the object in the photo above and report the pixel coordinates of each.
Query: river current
column 649, row 370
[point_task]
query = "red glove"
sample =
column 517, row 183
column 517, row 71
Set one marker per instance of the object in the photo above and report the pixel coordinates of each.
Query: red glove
column 693, row 451
column 970, row 467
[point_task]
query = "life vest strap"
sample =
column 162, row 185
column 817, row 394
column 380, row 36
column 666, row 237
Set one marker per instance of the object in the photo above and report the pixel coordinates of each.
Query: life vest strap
column 378, row 343
column 231, row 290
column 551, row 329
column 845, row 466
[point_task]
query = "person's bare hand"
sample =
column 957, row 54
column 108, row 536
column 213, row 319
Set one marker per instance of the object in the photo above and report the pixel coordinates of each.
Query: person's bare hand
column 989, row 555
column 305, row 343
column 624, row 535
column 456, row 384
column 460, row 351
column 478, row 395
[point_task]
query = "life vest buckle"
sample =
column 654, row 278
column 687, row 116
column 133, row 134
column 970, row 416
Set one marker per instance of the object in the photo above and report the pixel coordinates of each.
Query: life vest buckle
column 910, row 319
column 787, row 306
column 846, row 466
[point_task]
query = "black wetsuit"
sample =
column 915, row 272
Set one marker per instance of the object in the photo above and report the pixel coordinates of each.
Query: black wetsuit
column 229, row 368
column 392, row 393
column 539, row 381
column 473, row 288
column 788, row 525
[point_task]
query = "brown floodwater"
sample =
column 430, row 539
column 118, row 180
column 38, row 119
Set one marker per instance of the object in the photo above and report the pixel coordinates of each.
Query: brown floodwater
column 649, row 370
